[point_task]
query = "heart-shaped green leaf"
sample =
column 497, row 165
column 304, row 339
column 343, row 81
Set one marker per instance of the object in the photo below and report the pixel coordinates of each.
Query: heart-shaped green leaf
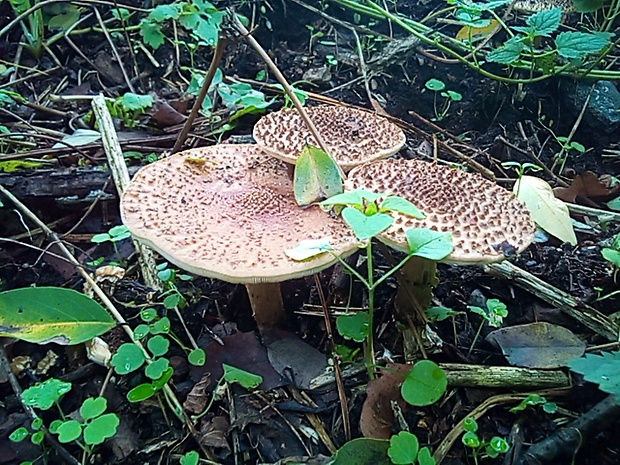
column 101, row 428
column 366, row 227
column 424, row 384
column 354, row 198
column 426, row 243
column 317, row 176
column 93, row 407
column 400, row 205
column 355, row 326
column 404, row 448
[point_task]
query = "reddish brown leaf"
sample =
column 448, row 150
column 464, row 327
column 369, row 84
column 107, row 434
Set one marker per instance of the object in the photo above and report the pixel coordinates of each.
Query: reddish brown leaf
column 586, row 185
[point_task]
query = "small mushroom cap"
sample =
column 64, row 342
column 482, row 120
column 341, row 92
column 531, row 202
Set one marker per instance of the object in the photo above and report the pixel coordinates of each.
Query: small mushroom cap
column 487, row 222
column 228, row 212
column 352, row 136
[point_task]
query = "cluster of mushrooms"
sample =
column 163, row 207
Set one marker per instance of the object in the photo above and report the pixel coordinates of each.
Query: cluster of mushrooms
column 228, row 211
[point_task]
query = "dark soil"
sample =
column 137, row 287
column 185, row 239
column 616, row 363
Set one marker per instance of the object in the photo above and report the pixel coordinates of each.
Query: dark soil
column 279, row 423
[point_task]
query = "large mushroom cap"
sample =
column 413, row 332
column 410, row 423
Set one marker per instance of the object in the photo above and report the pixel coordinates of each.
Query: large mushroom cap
column 352, row 136
column 487, row 222
column 228, row 212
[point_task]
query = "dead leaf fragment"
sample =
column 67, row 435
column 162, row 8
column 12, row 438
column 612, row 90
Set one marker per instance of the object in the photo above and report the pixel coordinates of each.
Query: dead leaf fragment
column 586, row 185
column 537, row 345
column 548, row 212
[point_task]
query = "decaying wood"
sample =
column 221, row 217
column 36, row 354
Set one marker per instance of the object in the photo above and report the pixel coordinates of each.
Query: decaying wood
column 120, row 173
column 572, row 306
column 461, row 375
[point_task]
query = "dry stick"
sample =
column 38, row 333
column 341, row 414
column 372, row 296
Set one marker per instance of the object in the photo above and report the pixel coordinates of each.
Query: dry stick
column 120, row 174
column 170, row 396
column 342, row 397
column 582, row 312
column 453, row 436
column 215, row 62
column 287, row 88
column 589, row 211
column 5, row 366
column 114, row 50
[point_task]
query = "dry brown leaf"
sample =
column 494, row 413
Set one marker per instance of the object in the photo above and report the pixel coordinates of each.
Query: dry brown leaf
column 586, row 185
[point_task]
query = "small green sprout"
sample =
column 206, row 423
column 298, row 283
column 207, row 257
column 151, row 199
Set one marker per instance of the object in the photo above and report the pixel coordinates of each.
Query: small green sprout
column 492, row 448
column 449, row 96
column 493, row 314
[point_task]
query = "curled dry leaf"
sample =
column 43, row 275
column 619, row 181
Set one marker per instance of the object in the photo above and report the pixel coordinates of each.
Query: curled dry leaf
column 586, row 185
column 377, row 415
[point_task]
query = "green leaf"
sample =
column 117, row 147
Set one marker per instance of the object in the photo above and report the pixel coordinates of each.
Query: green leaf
column 152, row 34
column 603, row 370
column 355, row 198
column 135, row 102
column 69, row 431
column 161, row 326
column 425, row 457
column 120, row 232
column 19, row 434
column 471, row 439
column 440, row 313
column 142, row 392
column 37, row 438
column 308, row 248
column 398, row 204
column 316, row 176
column 588, row 6
column 430, row 244
column 101, row 238
column 158, row 345
column 366, row 227
column 435, row 85
column 128, row 358
column 157, row 369
column 197, row 357
column 244, row 378
column 470, row 424
column 545, row 22
column 573, row 45
column 64, row 20
column 101, row 428
column 162, row 13
column 93, row 407
column 612, row 256
column 79, row 137
column 355, row 326
column 141, row 331
column 424, row 384
column 508, row 53
column 148, row 314
column 190, row 458
column 44, row 395
column 363, row 451
column 403, row 448
column 171, row 300
column 52, row 314
column 165, row 377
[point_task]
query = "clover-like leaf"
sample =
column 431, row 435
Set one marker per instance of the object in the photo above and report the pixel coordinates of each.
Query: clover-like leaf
column 44, row 395
column 366, row 227
column 69, row 431
column 127, row 359
column 101, row 428
column 93, row 407
column 355, row 326
column 404, row 448
column 424, row 384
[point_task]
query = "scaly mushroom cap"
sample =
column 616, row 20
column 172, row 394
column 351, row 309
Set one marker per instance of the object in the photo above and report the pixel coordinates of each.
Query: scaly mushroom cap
column 228, row 212
column 487, row 222
column 352, row 136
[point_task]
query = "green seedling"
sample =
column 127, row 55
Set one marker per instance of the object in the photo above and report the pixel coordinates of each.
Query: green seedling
column 612, row 254
column 32, row 26
column 367, row 214
column 492, row 448
column 568, row 147
column 130, row 107
column 190, row 458
column 532, row 401
column 91, row 428
column 449, row 96
column 114, row 235
column 493, row 314
column 521, row 169
column 439, row 313
column 315, row 35
column 156, row 332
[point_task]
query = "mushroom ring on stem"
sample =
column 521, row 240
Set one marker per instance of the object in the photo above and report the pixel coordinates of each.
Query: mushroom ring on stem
column 229, row 212
column 353, row 136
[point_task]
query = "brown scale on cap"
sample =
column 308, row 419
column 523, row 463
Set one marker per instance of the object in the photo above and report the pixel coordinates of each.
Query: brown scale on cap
column 486, row 221
column 228, row 212
column 352, row 136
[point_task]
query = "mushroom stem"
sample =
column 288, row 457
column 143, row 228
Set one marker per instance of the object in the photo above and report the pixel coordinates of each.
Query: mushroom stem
column 419, row 277
column 266, row 303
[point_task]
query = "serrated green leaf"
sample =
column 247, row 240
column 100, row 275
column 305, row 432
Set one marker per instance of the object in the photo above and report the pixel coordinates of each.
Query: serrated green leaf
column 603, row 370
column 45, row 394
column 355, row 326
column 52, row 314
column 545, row 22
column 152, row 34
column 573, row 45
column 136, row 102
column 588, row 6
column 508, row 53
column 162, row 13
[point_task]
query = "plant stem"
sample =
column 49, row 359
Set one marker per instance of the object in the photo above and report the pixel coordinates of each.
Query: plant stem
column 370, row 346
column 473, row 343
